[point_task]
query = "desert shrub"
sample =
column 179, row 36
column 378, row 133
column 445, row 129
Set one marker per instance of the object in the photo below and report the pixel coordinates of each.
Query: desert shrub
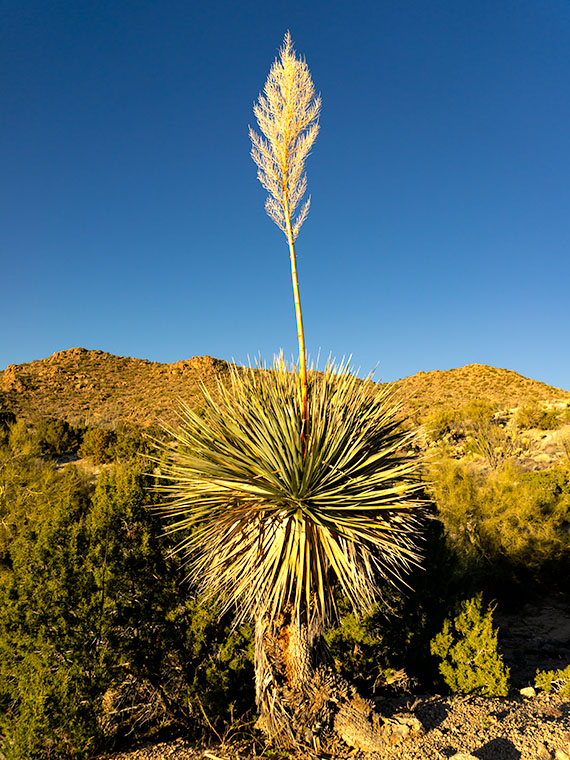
column 565, row 445
column 130, row 443
column 550, row 488
column 98, row 444
column 29, row 487
column 20, row 442
column 216, row 663
column 507, row 527
column 7, row 419
column 97, row 638
column 56, row 438
column 467, row 649
column 535, row 415
column 362, row 649
column 456, row 492
column 441, row 422
column 477, row 412
column 475, row 425
column 49, row 668
column 554, row 681
column 44, row 717
column 485, row 435
column 383, row 650
column 184, row 663
column 550, row 420
column 491, row 442
column 390, row 645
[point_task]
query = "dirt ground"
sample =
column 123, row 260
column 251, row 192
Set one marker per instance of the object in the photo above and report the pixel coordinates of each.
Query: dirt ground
column 490, row 729
column 536, row 636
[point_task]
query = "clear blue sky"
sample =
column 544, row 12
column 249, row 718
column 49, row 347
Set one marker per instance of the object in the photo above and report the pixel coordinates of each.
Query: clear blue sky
column 439, row 234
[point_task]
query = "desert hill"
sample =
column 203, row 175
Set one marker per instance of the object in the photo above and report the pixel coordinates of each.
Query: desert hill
column 425, row 391
column 98, row 388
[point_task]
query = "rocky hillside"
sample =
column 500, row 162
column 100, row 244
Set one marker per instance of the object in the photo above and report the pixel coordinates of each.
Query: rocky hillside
column 426, row 391
column 98, row 388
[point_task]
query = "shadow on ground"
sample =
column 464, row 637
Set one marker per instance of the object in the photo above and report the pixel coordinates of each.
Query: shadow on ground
column 498, row 749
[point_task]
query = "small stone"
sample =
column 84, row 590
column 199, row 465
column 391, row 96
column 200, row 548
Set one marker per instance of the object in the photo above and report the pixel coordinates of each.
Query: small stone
column 528, row 691
column 413, row 724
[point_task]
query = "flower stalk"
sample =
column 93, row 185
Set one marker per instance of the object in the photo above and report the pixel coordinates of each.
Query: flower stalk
column 287, row 114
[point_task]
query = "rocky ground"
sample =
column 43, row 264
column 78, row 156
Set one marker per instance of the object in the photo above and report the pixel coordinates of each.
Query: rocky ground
column 519, row 728
column 535, row 637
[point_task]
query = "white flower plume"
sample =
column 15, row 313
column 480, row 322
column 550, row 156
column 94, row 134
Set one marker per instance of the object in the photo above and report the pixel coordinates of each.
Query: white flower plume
column 287, row 113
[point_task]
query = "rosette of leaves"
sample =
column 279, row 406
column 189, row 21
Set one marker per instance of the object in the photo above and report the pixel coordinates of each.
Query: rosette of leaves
column 266, row 528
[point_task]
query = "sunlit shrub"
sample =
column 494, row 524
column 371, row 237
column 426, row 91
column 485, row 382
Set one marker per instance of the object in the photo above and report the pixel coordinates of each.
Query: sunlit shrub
column 477, row 412
column 98, row 444
column 506, row 524
column 535, row 415
column 554, row 681
column 440, row 422
column 467, row 649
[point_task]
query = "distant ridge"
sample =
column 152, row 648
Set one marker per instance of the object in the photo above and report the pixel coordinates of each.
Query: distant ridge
column 426, row 391
column 98, row 388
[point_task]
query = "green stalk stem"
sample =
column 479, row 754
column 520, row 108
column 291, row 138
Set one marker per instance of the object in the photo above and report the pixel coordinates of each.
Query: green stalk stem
column 300, row 331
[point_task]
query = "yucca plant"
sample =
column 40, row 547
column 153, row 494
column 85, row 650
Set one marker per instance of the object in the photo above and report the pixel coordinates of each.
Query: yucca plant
column 290, row 486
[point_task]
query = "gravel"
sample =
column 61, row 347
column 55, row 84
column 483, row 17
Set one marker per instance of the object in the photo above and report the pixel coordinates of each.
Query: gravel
column 453, row 727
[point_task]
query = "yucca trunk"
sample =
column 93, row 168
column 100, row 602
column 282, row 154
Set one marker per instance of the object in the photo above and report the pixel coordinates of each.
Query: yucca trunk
column 302, row 701
column 283, row 668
